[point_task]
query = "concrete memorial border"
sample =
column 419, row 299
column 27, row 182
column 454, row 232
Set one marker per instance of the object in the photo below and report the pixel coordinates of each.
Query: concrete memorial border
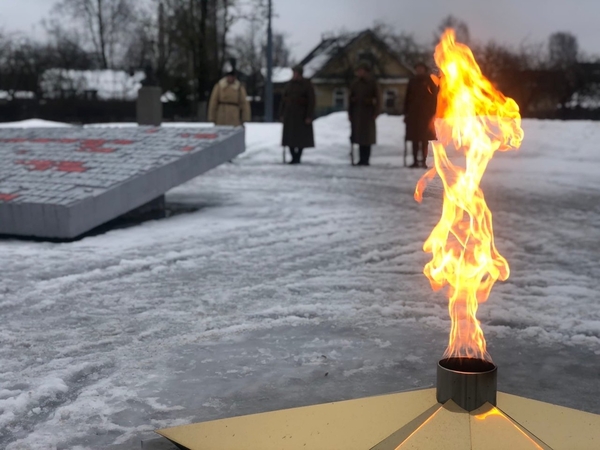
column 62, row 182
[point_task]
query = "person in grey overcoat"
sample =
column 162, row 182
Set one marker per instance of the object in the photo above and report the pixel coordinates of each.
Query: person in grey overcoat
column 419, row 113
column 364, row 108
column 297, row 113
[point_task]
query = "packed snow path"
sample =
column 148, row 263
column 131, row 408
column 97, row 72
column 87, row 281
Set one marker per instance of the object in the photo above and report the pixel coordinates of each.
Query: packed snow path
column 294, row 285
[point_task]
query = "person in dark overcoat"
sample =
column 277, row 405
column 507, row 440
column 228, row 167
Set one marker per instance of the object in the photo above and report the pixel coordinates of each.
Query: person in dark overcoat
column 364, row 108
column 297, row 112
column 419, row 113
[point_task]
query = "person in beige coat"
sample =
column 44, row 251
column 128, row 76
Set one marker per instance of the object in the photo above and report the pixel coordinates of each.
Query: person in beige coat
column 228, row 103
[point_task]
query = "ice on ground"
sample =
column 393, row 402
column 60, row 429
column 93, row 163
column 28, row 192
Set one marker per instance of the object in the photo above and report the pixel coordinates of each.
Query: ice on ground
column 293, row 285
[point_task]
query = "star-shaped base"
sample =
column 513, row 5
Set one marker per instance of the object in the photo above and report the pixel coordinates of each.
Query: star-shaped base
column 408, row 420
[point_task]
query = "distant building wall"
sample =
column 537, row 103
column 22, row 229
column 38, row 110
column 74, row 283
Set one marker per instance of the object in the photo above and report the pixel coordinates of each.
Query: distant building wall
column 333, row 96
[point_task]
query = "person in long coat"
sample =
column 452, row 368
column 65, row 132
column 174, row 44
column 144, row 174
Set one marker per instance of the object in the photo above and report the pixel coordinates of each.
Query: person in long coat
column 297, row 113
column 228, row 102
column 364, row 108
column 419, row 113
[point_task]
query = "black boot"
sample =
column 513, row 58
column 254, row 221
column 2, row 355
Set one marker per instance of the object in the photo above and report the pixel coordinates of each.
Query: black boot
column 294, row 156
column 415, row 151
column 365, row 155
column 361, row 156
column 425, row 151
column 299, row 155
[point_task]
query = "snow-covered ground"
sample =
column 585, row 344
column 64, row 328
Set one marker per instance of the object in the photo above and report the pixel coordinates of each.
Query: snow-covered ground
column 294, row 285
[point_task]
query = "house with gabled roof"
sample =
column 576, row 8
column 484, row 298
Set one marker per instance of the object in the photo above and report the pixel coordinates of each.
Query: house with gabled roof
column 331, row 64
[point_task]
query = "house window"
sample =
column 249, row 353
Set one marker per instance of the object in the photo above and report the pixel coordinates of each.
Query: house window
column 391, row 97
column 339, row 98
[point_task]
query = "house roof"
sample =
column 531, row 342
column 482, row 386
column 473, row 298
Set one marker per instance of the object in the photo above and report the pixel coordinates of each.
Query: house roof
column 323, row 53
column 280, row 74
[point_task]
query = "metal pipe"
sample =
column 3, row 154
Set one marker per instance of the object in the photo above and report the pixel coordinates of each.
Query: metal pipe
column 469, row 382
column 269, row 78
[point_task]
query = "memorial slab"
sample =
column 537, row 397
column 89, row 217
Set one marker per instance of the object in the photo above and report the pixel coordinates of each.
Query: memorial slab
column 60, row 183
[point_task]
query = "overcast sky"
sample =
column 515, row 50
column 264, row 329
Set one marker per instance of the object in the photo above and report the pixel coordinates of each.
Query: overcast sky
column 507, row 21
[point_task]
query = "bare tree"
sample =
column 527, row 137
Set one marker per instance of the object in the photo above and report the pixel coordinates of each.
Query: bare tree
column 563, row 50
column 65, row 50
column 281, row 50
column 22, row 63
column 5, row 49
column 143, row 47
column 195, row 43
column 249, row 48
column 496, row 59
column 460, row 27
column 104, row 23
column 248, row 51
column 404, row 45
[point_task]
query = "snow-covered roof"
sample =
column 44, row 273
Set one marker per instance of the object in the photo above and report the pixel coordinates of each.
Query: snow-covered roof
column 109, row 84
column 323, row 53
column 280, row 74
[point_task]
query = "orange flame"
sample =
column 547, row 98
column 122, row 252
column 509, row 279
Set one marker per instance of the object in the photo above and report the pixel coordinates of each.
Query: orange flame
column 476, row 120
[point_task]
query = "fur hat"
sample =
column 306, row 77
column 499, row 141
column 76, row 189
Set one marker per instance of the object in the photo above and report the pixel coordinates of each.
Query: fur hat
column 299, row 69
column 229, row 70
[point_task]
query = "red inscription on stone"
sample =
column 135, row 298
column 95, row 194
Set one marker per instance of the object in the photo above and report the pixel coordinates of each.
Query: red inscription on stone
column 7, row 197
column 21, row 152
column 97, row 150
column 94, row 146
column 87, row 145
column 41, row 165
column 200, row 136
column 70, row 166
column 93, row 142
column 152, row 130
column 189, row 148
column 37, row 164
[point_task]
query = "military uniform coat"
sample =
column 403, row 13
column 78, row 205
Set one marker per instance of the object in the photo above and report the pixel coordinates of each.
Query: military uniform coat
column 365, row 106
column 419, row 109
column 297, row 105
column 228, row 104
